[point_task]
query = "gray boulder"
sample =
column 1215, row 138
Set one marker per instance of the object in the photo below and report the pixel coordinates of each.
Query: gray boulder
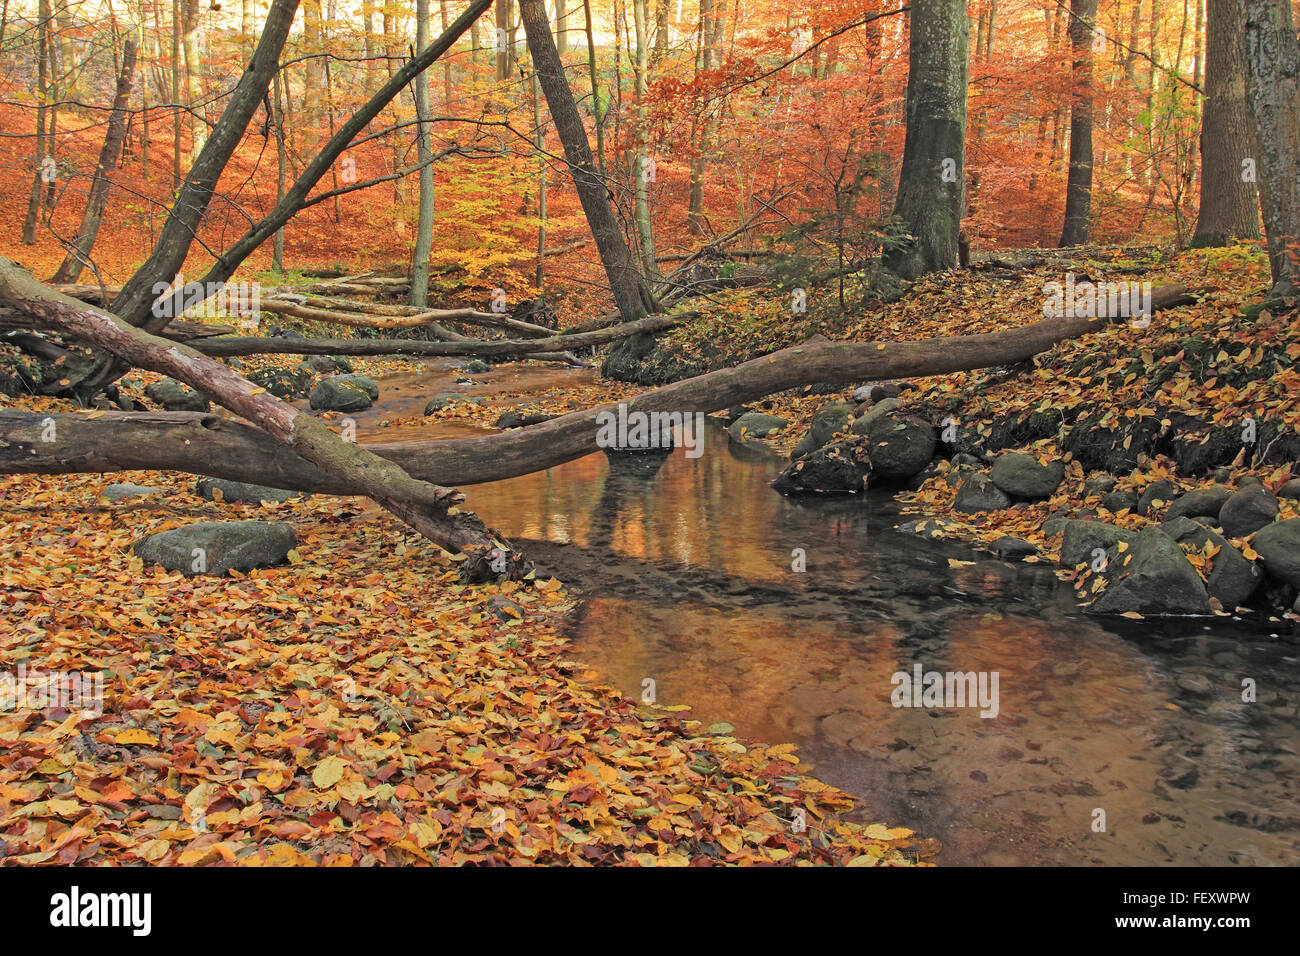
column 286, row 383
column 325, row 364
column 1233, row 578
column 1155, row 577
column 477, row 367
column 519, row 418
column 116, row 492
column 1117, row 501
column 901, row 446
column 839, row 468
column 828, row 420
column 863, row 424
column 1290, row 490
column 176, row 397
column 241, row 492
column 1055, row 525
column 1099, row 485
column 1082, row 538
column 978, row 493
column 215, row 547
column 439, row 402
column 1200, row 503
column 1251, row 508
column 1278, row 546
column 1023, row 477
column 344, row 393
column 1162, row 490
column 755, row 425
column 1013, row 549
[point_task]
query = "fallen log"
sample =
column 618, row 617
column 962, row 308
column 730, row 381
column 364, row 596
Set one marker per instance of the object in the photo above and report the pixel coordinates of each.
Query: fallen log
column 211, row 445
column 500, row 349
column 397, row 317
column 424, row 506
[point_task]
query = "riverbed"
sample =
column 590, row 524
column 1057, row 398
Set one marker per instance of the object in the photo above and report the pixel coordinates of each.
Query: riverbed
column 1114, row 742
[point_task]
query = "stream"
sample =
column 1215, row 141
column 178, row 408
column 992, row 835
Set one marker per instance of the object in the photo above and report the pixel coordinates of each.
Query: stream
column 685, row 570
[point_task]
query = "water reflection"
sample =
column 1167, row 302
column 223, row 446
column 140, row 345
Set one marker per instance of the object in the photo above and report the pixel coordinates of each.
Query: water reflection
column 687, row 576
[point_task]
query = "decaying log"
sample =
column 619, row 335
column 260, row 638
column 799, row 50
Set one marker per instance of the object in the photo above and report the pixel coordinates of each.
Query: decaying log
column 422, row 505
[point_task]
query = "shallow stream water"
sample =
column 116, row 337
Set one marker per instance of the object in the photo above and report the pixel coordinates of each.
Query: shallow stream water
column 686, row 574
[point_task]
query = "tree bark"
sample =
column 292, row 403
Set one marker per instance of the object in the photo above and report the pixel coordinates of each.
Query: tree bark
column 931, row 183
column 1078, row 191
column 423, row 506
column 97, row 201
column 1229, row 206
column 630, row 292
column 1273, row 84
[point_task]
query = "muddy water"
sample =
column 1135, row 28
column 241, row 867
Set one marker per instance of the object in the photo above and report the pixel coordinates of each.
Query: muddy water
column 687, row 573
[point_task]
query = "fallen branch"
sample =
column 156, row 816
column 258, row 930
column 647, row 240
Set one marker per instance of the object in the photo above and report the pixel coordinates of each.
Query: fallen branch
column 499, row 349
column 210, row 445
column 422, row 505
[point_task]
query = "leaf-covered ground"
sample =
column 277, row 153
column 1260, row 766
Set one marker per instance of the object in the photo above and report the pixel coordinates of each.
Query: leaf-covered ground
column 357, row 707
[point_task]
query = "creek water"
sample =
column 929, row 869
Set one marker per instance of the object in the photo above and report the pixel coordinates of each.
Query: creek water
column 685, row 567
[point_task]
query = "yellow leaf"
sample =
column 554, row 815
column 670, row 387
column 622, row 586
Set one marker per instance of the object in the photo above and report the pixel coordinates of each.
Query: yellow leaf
column 136, row 736
column 328, row 772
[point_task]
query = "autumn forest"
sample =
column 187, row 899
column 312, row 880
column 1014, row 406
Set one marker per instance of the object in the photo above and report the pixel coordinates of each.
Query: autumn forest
column 649, row 433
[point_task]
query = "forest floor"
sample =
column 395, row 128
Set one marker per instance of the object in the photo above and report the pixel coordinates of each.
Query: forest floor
column 357, row 707
column 360, row 706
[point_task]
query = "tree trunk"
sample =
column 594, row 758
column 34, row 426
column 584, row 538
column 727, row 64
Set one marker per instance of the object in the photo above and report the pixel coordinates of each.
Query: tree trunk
column 931, row 182
column 1078, row 190
column 42, row 92
column 135, row 302
column 96, row 202
column 562, row 26
column 642, row 173
column 320, row 164
column 505, row 49
column 1229, row 197
column 194, row 73
column 700, row 126
column 1273, row 84
column 419, row 294
column 314, row 47
column 630, row 292
column 421, row 505
column 597, row 111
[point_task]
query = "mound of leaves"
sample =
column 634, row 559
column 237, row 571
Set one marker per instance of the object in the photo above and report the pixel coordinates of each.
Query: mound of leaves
column 356, row 707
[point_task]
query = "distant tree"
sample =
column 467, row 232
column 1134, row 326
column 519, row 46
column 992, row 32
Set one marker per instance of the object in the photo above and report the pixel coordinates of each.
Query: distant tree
column 1229, row 197
column 1078, row 190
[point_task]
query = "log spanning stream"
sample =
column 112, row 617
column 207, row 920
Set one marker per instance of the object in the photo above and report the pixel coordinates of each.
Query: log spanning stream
column 686, row 572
